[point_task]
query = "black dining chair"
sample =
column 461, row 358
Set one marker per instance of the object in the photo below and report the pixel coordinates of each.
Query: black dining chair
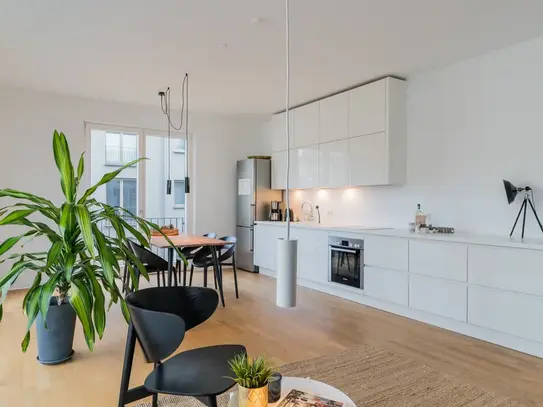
column 152, row 262
column 225, row 253
column 189, row 253
column 160, row 317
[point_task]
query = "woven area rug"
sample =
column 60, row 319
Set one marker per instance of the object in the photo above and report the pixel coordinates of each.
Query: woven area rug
column 378, row 378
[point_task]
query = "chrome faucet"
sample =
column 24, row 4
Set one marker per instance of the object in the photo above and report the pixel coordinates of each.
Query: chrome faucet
column 318, row 213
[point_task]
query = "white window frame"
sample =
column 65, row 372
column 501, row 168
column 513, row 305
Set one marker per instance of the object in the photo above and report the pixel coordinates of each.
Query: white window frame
column 122, row 135
column 142, row 133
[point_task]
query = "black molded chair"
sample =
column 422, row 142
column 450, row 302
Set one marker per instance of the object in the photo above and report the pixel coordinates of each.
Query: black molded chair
column 153, row 263
column 190, row 253
column 160, row 316
column 204, row 260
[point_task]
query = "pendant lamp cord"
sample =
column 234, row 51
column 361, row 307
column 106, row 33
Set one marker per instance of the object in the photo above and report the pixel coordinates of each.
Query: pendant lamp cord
column 165, row 105
column 287, row 112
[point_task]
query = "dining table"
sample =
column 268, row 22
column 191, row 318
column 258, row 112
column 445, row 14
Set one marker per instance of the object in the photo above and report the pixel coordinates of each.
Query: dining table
column 183, row 241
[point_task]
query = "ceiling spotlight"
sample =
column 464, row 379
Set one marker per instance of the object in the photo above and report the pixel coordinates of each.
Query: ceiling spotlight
column 224, row 45
column 257, row 20
column 511, row 192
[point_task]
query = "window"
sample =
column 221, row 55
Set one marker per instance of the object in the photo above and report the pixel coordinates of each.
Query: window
column 123, row 193
column 178, row 146
column 179, row 193
column 121, row 148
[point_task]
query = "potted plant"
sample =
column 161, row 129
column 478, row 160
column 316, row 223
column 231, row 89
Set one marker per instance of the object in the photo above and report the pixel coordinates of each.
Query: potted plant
column 80, row 271
column 252, row 377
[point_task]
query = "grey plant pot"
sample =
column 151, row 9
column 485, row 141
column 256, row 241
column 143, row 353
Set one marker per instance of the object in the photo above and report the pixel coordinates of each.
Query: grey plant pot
column 55, row 344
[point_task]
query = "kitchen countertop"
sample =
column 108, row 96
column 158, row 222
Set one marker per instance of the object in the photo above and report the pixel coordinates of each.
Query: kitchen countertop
column 458, row 237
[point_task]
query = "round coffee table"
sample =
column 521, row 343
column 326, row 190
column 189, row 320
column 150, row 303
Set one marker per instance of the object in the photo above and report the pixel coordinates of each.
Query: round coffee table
column 308, row 385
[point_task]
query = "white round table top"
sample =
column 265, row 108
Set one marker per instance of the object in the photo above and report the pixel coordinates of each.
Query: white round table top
column 310, row 386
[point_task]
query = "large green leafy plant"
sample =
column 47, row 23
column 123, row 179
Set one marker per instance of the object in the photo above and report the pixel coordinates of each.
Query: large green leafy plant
column 82, row 263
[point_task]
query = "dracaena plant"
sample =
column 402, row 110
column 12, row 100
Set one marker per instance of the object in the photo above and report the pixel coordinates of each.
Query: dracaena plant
column 82, row 264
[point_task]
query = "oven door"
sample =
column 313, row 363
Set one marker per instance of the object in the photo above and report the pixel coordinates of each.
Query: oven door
column 346, row 266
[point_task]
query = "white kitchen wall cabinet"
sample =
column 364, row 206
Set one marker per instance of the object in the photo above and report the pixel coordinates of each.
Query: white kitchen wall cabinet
column 265, row 245
column 306, row 131
column 386, row 284
column 305, row 167
column 279, row 170
column 312, row 254
column 368, row 160
column 334, row 117
column 334, row 164
column 368, row 108
column 369, row 121
column 278, row 131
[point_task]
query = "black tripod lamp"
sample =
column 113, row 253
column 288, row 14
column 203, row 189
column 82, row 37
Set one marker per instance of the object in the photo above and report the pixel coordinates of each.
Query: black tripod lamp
column 512, row 191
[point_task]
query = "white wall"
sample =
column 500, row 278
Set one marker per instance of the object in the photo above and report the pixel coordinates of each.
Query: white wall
column 28, row 118
column 469, row 125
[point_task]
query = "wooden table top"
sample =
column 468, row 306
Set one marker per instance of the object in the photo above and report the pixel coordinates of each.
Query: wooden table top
column 186, row 241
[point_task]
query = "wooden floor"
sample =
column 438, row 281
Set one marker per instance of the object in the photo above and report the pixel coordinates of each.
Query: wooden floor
column 319, row 325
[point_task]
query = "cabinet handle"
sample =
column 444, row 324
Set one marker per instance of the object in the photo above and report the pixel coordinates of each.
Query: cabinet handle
column 252, row 247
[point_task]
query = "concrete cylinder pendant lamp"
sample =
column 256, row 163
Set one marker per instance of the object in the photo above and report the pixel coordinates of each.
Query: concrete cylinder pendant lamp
column 287, row 249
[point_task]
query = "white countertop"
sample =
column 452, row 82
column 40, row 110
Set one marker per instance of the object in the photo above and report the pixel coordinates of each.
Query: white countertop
column 458, row 237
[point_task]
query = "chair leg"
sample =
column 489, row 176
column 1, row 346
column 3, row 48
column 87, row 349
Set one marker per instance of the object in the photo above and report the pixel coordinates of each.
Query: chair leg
column 235, row 274
column 174, row 272
column 184, row 273
column 158, row 278
column 212, row 401
column 163, row 278
column 205, row 276
column 191, row 273
column 155, row 400
column 125, row 277
column 215, row 278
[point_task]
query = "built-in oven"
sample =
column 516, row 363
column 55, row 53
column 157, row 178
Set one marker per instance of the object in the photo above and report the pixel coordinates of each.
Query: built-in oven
column 346, row 261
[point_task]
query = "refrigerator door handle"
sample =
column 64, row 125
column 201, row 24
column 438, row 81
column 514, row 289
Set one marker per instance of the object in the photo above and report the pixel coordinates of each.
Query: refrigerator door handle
column 253, row 207
column 252, row 247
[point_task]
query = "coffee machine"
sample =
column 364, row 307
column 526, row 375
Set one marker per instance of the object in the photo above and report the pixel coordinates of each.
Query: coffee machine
column 275, row 211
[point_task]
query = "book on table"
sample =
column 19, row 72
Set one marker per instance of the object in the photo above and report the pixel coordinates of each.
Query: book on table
column 298, row 398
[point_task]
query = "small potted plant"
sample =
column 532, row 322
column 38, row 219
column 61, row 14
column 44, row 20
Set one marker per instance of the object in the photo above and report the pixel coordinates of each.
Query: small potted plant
column 252, row 376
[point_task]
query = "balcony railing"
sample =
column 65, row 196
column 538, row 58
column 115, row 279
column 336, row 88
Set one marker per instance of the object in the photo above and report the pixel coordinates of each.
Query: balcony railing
column 120, row 155
column 179, row 223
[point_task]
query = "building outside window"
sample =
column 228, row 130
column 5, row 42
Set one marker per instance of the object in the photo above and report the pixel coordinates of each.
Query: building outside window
column 121, row 148
column 179, row 194
column 123, row 193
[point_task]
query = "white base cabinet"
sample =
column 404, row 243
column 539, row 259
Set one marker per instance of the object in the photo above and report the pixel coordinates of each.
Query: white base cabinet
column 386, row 284
column 482, row 290
column 312, row 254
column 437, row 296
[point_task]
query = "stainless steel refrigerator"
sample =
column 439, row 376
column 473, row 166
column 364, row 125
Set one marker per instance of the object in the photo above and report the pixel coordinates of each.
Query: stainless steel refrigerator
column 254, row 195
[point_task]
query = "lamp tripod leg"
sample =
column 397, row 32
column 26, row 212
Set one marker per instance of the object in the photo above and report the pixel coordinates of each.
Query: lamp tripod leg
column 516, row 220
column 524, row 218
column 535, row 214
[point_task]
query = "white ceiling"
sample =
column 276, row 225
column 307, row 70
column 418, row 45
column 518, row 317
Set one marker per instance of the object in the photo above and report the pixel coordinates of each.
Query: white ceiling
column 127, row 50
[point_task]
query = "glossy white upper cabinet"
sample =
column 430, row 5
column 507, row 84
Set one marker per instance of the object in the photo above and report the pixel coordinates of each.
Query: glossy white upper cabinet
column 334, row 118
column 304, row 163
column 279, row 170
column 368, row 160
column 333, row 164
column 369, row 120
column 306, row 131
column 367, row 105
column 278, row 131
